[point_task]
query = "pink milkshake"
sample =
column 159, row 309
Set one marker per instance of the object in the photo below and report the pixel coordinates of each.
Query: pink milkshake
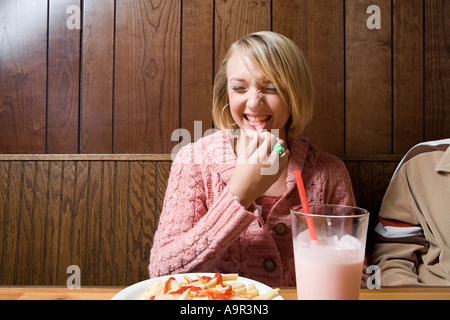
column 331, row 267
column 326, row 272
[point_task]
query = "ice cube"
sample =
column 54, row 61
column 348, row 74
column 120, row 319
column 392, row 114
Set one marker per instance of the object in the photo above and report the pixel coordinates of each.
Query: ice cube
column 346, row 242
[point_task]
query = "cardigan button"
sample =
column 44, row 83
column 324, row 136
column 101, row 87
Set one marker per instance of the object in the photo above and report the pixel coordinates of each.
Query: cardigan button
column 270, row 265
column 281, row 228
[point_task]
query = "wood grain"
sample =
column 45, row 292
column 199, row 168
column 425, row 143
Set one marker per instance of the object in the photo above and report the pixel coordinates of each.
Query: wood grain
column 147, row 77
column 107, row 213
column 23, row 69
column 97, row 77
column 317, row 27
column 52, row 222
column 234, row 19
column 408, row 74
column 368, row 79
column 39, row 227
column 137, row 71
column 11, row 223
column 197, row 62
column 437, row 70
column 101, row 215
column 93, row 227
column 25, row 229
column 5, row 173
column 66, row 213
column 63, row 86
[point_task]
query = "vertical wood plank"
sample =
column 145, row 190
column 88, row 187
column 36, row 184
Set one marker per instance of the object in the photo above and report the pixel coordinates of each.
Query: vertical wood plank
column 52, row 223
column 135, row 223
column 25, row 230
column 317, row 27
column 120, row 224
column 368, row 79
column 197, row 65
column 92, row 245
column 149, row 214
column 23, row 52
column 437, row 69
column 4, row 194
column 63, row 80
column 235, row 19
column 39, row 226
column 147, row 76
column 408, row 74
column 81, row 209
column 12, row 223
column 108, row 209
column 66, row 224
column 97, row 76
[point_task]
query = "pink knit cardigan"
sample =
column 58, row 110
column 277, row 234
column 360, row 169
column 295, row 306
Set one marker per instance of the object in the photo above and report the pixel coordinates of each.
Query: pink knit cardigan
column 203, row 228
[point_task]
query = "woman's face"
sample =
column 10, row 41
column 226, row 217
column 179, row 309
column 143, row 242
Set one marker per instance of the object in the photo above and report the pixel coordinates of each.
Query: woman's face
column 254, row 100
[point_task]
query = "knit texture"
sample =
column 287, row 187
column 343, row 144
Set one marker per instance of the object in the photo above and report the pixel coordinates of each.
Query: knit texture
column 203, row 227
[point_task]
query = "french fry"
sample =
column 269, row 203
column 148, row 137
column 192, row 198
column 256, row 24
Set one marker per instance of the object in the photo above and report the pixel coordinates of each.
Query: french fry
column 240, row 291
column 230, row 276
column 268, row 295
column 185, row 295
column 202, row 282
column 237, row 285
column 154, row 289
column 212, row 283
column 174, row 285
column 251, row 293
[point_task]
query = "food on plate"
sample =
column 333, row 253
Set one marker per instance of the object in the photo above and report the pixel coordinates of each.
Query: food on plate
column 219, row 287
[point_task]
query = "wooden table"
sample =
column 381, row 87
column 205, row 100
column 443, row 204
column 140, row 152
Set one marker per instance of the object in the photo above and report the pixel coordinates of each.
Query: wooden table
column 106, row 293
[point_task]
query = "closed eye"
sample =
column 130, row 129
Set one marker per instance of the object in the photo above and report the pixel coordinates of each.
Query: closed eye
column 272, row 90
column 238, row 88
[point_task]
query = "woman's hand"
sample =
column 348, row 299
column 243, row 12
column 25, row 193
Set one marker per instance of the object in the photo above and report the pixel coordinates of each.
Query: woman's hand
column 258, row 166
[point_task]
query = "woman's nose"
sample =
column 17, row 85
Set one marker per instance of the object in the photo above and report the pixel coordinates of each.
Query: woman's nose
column 254, row 98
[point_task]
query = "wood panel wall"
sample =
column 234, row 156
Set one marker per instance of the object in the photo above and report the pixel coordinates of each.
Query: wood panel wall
column 100, row 213
column 137, row 70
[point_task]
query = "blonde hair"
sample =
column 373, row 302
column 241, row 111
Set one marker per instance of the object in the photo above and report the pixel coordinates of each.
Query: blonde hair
column 283, row 63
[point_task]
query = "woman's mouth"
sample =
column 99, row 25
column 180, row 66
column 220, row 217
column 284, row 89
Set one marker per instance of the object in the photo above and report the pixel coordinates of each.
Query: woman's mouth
column 257, row 121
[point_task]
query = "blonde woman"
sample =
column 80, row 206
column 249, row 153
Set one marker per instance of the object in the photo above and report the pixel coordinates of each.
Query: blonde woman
column 227, row 201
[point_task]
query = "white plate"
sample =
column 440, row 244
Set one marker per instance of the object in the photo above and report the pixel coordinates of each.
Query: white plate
column 134, row 292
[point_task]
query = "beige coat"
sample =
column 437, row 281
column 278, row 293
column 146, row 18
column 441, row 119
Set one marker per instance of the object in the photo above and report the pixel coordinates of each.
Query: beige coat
column 413, row 246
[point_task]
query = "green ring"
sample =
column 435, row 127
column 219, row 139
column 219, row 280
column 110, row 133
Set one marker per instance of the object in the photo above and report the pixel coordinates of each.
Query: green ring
column 278, row 147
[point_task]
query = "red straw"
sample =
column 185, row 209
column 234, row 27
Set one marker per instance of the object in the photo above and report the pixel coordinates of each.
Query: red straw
column 305, row 206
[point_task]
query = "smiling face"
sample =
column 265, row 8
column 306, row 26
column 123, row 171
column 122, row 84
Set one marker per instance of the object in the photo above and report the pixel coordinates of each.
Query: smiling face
column 254, row 99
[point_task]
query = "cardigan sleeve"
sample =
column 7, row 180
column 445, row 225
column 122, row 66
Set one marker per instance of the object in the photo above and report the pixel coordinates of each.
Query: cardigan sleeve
column 191, row 236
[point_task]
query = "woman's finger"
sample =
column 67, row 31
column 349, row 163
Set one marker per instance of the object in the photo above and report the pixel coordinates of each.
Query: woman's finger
column 248, row 156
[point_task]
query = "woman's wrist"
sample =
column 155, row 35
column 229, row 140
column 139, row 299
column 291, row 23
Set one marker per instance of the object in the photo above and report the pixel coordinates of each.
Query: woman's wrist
column 242, row 200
